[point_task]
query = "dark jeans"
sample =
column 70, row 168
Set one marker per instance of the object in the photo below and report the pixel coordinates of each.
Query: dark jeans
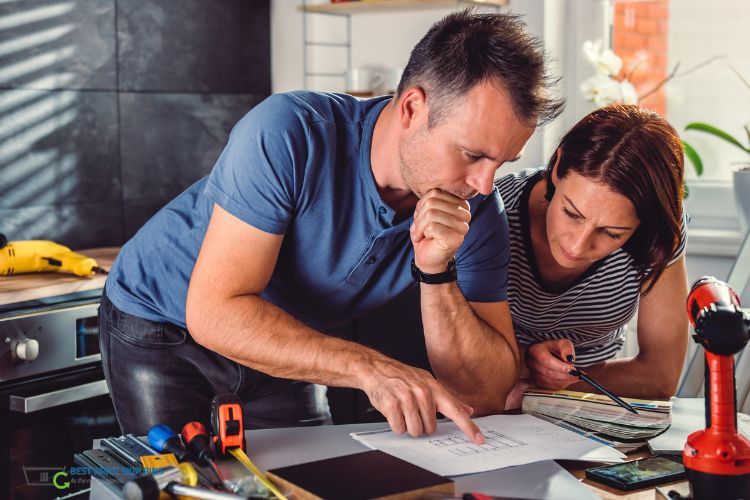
column 157, row 374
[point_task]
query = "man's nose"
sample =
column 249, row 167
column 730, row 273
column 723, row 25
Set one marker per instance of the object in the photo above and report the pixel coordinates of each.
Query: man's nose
column 483, row 179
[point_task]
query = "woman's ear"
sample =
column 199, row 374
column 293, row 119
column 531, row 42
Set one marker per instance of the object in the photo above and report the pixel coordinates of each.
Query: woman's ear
column 558, row 154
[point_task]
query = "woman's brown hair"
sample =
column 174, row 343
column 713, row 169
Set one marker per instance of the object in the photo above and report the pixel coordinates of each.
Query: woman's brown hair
column 636, row 153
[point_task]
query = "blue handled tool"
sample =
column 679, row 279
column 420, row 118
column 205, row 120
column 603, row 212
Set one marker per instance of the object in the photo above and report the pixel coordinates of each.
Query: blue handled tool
column 164, row 440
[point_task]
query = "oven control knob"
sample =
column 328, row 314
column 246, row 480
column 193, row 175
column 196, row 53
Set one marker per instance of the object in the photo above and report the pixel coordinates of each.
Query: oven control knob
column 27, row 349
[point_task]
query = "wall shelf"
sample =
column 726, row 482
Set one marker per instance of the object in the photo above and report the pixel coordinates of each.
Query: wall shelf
column 354, row 7
column 345, row 9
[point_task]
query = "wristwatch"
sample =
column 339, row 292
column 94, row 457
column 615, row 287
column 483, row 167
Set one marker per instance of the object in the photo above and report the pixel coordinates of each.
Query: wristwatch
column 437, row 278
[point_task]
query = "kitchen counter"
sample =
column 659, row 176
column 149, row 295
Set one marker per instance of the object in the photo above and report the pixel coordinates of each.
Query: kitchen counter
column 35, row 286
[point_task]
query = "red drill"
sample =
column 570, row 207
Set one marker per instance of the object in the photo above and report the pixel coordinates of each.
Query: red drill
column 717, row 458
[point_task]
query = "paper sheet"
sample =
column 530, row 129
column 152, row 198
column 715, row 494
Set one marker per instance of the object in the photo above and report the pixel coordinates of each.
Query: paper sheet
column 509, row 440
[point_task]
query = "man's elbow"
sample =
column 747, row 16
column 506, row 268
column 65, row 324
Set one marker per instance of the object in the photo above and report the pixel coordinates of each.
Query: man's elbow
column 196, row 319
column 493, row 402
column 490, row 405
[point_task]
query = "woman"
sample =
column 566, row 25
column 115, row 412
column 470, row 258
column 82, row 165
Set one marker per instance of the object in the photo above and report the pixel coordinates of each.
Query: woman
column 595, row 235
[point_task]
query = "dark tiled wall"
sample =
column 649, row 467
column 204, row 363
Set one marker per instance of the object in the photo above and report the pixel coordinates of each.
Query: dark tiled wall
column 110, row 108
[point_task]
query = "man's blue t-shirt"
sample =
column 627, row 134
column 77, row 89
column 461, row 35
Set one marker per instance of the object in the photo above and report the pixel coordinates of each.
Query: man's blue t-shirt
column 298, row 164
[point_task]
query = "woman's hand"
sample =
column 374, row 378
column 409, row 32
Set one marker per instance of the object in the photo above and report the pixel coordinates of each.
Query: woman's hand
column 545, row 365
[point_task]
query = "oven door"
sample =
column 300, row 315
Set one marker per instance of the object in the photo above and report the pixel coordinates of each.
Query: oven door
column 45, row 421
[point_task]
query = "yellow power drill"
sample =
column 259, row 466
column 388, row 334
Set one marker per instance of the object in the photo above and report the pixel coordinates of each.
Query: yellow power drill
column 39, row 256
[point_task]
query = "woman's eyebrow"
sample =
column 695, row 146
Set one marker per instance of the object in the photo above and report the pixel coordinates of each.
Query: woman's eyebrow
column 624, row 228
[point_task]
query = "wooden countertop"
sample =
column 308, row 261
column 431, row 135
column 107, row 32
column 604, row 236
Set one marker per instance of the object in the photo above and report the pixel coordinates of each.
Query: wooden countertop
column 35, row 286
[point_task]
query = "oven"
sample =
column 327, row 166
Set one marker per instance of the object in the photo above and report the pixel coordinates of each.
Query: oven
column 53, row 396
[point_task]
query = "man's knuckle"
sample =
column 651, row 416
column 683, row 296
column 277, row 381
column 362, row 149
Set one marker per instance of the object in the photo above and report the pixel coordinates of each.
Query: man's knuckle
column 388, row 405
column 421, row 391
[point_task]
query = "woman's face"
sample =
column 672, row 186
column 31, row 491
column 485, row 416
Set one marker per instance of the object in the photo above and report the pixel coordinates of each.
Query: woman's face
column 586, row 221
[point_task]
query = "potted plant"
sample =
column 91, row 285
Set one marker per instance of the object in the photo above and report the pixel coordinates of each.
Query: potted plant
column 741, row 175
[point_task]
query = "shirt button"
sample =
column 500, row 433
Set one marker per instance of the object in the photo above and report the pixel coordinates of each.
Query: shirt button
column 371, row 260
column 382, row 210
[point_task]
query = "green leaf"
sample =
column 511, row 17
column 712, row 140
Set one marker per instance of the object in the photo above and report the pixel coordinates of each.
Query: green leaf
column 694, row 158
column 710, row 129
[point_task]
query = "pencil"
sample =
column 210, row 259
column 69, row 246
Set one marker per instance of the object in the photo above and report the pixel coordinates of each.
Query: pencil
column 602, row 389
column 581, row 375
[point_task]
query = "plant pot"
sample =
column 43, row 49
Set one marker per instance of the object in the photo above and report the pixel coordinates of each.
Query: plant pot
column 742, row 196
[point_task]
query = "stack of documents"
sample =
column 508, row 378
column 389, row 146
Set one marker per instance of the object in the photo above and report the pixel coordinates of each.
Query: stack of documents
column 509, row 440
column 599, row 418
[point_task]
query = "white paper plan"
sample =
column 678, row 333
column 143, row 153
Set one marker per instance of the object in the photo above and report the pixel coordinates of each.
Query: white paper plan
column 509, row 440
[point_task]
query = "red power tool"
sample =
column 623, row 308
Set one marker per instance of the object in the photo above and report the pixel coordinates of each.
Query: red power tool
column 717, row 458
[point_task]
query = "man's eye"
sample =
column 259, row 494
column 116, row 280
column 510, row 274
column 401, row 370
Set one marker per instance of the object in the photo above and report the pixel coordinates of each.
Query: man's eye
column 472, row 157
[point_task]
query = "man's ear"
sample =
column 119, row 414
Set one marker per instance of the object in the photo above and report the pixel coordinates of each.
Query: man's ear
column 558, row 156
column 412, row 107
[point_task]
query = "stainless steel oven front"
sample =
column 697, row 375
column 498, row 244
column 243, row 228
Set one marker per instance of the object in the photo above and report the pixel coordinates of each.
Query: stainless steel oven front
column 53, row 396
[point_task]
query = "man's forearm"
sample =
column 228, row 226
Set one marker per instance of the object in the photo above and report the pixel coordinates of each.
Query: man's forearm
column 467, row 355
column 258, row 334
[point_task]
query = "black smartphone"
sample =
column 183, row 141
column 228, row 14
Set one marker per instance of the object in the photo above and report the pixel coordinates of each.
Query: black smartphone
column 638, row 474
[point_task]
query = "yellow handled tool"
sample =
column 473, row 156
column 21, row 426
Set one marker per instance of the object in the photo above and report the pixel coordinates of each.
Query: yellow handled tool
column 38, row 256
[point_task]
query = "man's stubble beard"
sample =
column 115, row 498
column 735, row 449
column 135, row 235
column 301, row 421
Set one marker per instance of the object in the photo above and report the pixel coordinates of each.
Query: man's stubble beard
column 408, row 166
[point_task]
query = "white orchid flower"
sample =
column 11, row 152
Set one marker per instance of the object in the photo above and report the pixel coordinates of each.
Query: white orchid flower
column 601, row 90
column 591, row 50
column 628, row 92
column 609, row 63
column 604, row 60
column 604, row 88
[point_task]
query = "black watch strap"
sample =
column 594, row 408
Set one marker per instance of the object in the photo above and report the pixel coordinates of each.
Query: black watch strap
column 437, row 278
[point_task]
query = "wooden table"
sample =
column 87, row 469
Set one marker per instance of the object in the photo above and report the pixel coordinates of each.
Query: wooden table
column 36, row 286
column 271, row 448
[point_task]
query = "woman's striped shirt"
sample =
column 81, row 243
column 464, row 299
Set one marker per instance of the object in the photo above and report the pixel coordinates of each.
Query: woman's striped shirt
column 592, row 312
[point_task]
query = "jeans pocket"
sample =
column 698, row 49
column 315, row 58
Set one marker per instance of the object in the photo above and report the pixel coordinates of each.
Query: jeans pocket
column 141, row 332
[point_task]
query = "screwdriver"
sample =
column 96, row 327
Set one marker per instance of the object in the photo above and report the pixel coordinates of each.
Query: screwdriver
column 164, row 440
column 195, row 436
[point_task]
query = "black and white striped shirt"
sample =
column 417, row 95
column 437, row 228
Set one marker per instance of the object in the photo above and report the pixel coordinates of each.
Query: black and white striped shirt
column 592, row 312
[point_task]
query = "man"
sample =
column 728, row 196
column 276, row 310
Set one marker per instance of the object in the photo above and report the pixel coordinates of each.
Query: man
column 313, row 215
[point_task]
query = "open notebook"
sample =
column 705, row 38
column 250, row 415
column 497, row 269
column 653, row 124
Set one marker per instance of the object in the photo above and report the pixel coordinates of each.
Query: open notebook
column 600, row 418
